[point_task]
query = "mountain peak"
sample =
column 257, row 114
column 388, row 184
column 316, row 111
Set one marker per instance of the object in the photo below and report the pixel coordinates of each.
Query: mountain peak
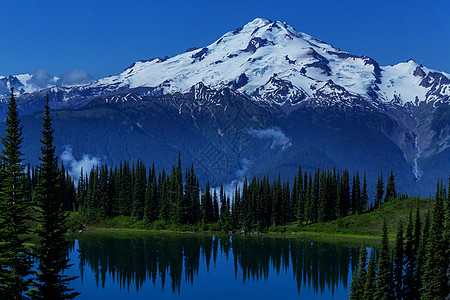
column 248, row 58
column 258, row 22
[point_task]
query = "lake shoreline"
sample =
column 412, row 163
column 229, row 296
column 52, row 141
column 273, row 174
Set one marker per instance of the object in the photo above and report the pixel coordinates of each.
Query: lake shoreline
column 322, row 236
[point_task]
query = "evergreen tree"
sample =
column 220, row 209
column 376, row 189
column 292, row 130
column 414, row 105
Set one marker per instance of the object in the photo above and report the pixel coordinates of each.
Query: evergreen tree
column 364, row 197
column 207, row 205
column 359, row 276
column 422, row 250
column 315, row 195
column 447, row 238
column 434, row 285
column 15, row 262
column 323, row 195
column 380, row 191
column 391, row 193
column 308, row 198
column 152, row 197
column 301, row 197
column 409, row 283
column 138, row 191
column 369, row 286
column 417, row 232
column 384, row 275
column 398, row 263
column 104, row 206
column 81, row 192
column 215, row 217
column 52, row 284
column 356, row 194
column 345, row 194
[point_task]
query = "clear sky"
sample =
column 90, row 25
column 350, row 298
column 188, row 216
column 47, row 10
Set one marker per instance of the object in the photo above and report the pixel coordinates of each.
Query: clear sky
column 105, row 37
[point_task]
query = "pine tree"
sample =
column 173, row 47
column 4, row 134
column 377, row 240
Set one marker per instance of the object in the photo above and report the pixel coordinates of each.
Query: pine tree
column 308, row 198
column 356, row 194
column 364, row 196
column 369, row 286
column 447, row 238
column 323, row 195
column 409, row 284
column 398, row 263
column 301, row 196
column 215, row 214
column 422, row 250
column 384, row 275
column 360, row 275
column 52, row 284
column 345, row 194
column 434, row 276
column 315, row 195
column 391, row 193
column 380, row 191
column 15, row 262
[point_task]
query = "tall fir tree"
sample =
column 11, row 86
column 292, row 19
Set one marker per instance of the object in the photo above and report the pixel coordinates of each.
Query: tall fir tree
column 15, row 262
column 360, row 275
column 434, row 285
column 398, row 263
column 391, row 192
column 384, row 275
column 356, row 194
column 364, row 197
column 409, row 283
column 52, row 283
column 380, row 191
column 323, row 195
column 369, row 286
column 345, row 194
column 422, row 250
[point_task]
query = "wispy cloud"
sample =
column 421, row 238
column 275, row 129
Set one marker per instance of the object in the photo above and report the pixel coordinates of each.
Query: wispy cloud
column 42, row 78
column 279, row 139
column 76, row 76
column 74, row 166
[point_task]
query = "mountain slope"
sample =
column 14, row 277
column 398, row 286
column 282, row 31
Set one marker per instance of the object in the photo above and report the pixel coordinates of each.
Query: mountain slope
column 264, row 98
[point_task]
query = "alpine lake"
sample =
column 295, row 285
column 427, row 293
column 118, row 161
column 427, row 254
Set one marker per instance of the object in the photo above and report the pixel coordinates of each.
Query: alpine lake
column 148, row 265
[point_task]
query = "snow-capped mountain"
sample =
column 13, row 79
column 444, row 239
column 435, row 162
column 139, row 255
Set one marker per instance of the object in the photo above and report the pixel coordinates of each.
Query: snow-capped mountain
column 272, row 62
column 283, row 73
column 20, row 83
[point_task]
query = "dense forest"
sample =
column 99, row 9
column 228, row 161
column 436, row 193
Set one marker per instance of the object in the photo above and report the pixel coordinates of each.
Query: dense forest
column 176, row 197
column 160, row 199
column 418, row 266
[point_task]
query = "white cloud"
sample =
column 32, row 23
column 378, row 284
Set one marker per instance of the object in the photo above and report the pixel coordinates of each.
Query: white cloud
column 279, row 139
column 74, row 166
column 76, row 76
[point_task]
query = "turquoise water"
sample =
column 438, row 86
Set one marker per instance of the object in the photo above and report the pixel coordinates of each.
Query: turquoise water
column 191, row 266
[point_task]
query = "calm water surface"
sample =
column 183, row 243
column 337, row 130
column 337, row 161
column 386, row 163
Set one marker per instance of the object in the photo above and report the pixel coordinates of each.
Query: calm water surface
column 191, row 266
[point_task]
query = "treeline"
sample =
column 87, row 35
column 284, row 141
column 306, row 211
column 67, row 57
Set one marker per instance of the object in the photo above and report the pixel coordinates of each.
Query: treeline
column 418, row 267
column 176, row 197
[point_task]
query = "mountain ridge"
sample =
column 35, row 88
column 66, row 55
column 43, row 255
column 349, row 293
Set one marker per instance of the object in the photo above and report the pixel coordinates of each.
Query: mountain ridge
column 282, row 73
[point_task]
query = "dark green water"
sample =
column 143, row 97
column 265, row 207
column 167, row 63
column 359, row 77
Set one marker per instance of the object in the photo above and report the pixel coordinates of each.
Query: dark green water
column 190, row 266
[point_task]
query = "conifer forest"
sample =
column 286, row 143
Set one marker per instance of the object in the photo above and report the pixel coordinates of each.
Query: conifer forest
column 418, row 266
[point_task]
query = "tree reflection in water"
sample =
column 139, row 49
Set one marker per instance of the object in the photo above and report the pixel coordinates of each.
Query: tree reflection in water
column 133, row 260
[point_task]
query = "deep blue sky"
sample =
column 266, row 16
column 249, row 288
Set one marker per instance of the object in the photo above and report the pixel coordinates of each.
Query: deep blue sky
column 105, row 37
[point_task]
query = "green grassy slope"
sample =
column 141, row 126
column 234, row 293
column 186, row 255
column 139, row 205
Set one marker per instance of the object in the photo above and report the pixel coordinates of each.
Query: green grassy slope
column 371, row 223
